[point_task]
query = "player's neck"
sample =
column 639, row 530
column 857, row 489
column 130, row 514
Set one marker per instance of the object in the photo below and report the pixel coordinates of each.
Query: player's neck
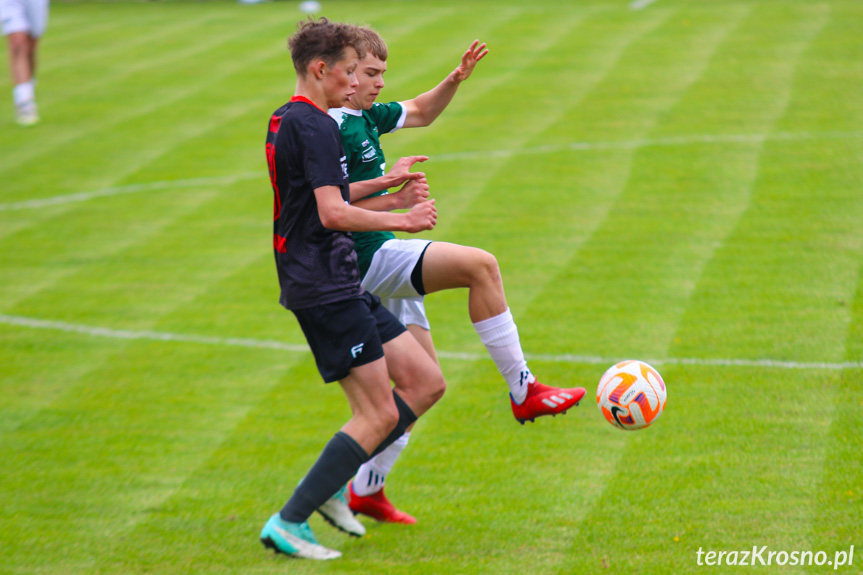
column 311, row 92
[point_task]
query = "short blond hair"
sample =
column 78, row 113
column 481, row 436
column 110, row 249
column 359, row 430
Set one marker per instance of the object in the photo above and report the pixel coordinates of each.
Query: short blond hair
column 372, row 43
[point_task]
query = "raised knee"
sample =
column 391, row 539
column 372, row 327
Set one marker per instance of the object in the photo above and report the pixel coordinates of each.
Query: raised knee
column 487, row 265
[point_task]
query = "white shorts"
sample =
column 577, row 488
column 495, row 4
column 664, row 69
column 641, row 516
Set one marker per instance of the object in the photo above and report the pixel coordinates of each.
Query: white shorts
column 29, row 16
column 389, row 278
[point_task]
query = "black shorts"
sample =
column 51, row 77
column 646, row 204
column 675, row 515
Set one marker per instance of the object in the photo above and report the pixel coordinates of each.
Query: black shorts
column 348, row 333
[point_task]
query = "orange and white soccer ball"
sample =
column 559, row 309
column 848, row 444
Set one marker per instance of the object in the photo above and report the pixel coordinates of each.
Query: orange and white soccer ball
column 631, row 395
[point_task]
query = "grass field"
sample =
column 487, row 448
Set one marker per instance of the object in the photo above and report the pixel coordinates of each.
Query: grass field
column 679, row 183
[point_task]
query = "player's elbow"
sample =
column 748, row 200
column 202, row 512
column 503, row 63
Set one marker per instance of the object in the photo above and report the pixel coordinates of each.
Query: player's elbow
column 333, row 219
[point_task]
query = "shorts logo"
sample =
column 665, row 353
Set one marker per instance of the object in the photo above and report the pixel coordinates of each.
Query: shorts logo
column 356, row 350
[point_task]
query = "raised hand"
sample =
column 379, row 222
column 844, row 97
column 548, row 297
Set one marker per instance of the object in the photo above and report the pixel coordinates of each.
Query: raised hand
column 474, row 54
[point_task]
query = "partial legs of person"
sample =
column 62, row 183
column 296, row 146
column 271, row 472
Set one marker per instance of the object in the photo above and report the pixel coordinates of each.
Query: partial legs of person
column 23, row 23
column 449, row 266
column 380, row 415
column 22, row 64
column 366, row 491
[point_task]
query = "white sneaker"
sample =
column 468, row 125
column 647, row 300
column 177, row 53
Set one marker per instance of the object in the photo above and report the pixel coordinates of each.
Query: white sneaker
column 336, row 511
column 26, row 114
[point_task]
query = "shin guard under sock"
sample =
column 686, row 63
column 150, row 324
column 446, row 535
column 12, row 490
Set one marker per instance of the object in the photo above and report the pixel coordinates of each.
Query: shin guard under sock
column 337, row 463
column 406, row 418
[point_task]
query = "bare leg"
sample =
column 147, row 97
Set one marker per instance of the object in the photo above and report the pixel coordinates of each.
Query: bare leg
column 34, row 45
column 380, row 416
column 22, row 56
column 417, row 377
column 419, row 382
column 423, row 336
column 449, row 266
column 370, row 397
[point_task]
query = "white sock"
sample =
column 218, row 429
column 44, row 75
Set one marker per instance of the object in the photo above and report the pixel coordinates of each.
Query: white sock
column 499, row 334
column 373, row 473
column 23, row 93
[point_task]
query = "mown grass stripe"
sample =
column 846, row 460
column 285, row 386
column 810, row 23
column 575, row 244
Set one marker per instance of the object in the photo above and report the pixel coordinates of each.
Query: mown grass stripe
column 102, row 38
column 487, row 208
column 656, row 264
column 129, row 189
column 504, row 66
column 120, row 114
column 580, row 210
column 149, row 335
column 584, row 146
column 31, row 279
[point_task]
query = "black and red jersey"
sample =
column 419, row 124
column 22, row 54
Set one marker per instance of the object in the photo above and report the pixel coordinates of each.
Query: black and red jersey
column 304, row 151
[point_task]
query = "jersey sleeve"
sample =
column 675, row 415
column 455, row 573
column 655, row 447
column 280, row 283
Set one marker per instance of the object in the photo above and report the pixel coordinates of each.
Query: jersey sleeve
column 388, row 117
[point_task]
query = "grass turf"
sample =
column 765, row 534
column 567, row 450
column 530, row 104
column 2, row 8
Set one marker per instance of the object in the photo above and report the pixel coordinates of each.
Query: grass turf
column 678, row 183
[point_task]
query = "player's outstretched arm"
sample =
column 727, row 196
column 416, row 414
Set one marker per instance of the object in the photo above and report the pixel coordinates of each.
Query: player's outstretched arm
column 425, row 108
column 335, row 214
column 399, row 174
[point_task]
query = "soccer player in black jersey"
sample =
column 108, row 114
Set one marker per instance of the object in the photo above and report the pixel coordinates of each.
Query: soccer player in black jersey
column 353, row 338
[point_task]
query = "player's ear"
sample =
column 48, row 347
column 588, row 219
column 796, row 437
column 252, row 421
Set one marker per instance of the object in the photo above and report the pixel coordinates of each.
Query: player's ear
column 317, row 68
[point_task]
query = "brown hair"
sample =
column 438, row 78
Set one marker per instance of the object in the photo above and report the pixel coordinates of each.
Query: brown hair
column 322, row 39
column 372, row 43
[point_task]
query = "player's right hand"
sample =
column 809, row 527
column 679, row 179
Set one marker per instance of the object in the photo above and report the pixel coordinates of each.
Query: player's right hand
column 474, row 54
column 422, row 216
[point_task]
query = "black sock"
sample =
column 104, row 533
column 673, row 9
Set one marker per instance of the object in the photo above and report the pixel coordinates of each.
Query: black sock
column 338, row 462
column 406, row 418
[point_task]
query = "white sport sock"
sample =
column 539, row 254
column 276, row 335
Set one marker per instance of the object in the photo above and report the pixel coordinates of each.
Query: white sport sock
column 499, row 334
column 23, row 93
column 373, row 473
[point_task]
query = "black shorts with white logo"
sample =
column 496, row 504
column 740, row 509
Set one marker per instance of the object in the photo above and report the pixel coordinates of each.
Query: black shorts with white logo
column 347, row 333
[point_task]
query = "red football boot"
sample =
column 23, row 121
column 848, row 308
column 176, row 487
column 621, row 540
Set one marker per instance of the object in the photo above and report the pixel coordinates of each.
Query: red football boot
column 544, row 400
column 378, row 507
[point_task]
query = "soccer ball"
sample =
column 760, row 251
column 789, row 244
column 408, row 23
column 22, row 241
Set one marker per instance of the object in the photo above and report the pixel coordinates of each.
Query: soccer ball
column 631, row 395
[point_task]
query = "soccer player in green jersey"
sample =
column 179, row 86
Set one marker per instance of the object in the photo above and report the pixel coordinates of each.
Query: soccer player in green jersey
column 401, row 272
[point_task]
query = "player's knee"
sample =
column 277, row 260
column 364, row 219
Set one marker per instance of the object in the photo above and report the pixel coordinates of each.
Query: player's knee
column 487, row 267
column 387, row 417
column 17, row 50
column 430, row 387
column 436, row 387
column 19, row 45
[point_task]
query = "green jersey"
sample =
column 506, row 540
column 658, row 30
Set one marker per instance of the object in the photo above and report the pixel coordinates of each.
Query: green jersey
column 360, row 131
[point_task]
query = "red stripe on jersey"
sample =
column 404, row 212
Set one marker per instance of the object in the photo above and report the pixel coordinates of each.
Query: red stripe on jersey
column 277, row 197
column 280, row 244
column 307, row 101
column 275, row 122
